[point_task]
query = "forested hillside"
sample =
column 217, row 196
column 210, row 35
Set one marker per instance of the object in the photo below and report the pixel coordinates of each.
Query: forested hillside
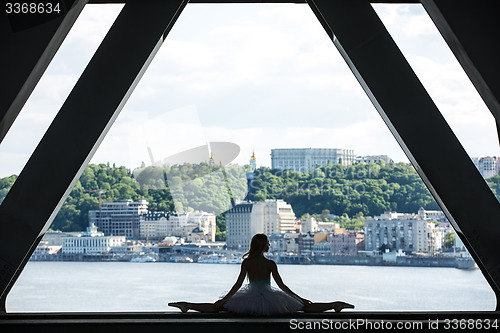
column 367, row 188
column 349, row 192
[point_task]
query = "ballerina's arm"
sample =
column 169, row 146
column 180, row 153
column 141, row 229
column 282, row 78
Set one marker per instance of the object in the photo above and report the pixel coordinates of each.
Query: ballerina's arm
column 236, row 286
column 284, row 287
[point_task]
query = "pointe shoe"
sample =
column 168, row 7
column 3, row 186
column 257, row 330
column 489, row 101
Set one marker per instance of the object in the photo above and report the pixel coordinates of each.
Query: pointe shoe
column 342, row 305
column 180, row 305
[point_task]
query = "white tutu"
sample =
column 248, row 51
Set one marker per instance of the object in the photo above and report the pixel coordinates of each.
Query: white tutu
column 259, row 298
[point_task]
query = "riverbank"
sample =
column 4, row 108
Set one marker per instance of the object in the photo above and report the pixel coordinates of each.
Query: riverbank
column 360, row 260
column 413, row 261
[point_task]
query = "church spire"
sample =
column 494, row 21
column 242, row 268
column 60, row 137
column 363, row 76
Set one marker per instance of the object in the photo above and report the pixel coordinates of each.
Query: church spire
column 211, row 161
column 253, row 161
column 253, row 158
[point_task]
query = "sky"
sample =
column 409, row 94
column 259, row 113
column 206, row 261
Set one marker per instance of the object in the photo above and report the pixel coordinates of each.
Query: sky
column 259, row 76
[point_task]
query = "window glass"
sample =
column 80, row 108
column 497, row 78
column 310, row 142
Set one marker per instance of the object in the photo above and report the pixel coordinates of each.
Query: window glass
column 230, row 86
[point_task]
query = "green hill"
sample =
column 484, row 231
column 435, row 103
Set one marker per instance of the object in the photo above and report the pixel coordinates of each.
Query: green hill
column 349, row 192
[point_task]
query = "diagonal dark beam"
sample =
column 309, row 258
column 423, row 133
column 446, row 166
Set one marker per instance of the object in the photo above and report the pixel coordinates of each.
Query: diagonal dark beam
column 472, row 30
column 82, row 122
column 22, row 66
column 407, row 109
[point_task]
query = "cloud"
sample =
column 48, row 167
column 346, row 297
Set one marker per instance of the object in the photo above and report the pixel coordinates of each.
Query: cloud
column 91, row 27
column 136, row 132
column 366, row 138
column 409, row 19
column 261, row 76
column 179, row 130
column 269, row 51
column 442, row 76
column 274, row 64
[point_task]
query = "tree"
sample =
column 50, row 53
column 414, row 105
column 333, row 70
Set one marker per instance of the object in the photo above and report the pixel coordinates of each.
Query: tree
column 384, row 247
column 325, row 214
column 220, row 234
column 494, row 184
column 370, row 188
column 67, row 219
column 364, row 189
column 449, row 240
column 5, row 185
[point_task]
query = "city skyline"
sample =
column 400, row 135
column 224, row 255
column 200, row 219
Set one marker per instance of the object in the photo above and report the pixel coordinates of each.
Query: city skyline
column 259, row 76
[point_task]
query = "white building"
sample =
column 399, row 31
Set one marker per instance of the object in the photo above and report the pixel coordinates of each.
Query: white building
column 158, row 225
column 246, row 219
column 44, row 251
column 436, row 215
column 398, row 231
column 488, row 166
column 276, row 216
column 183, row 224
column 55, row 238
column 310, row 225
column 306, row 159
column 436, row 237
column 284, row 243
column 153, row 225
column 328, row 226
column 91, row 242
column 323, row 247
column 119, row 218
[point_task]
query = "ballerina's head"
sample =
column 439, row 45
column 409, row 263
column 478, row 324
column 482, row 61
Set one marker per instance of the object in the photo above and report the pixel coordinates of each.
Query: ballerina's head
column 258, row 245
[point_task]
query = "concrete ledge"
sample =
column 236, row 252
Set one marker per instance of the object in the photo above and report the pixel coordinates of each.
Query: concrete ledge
column 228, row 322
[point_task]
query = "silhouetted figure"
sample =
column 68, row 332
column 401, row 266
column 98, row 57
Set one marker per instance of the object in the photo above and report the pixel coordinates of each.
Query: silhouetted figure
column 258, row 297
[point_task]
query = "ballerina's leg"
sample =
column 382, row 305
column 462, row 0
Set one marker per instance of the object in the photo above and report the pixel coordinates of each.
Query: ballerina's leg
column 321, row 307
column 200, row 307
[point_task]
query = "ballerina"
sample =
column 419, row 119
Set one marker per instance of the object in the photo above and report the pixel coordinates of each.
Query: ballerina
column 258, row 297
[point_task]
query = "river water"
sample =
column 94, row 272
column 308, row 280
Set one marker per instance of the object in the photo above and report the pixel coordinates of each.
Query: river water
column 125, row 286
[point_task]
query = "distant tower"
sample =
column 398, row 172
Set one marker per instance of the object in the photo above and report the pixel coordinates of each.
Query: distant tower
column 253, row 162
column 211, row 161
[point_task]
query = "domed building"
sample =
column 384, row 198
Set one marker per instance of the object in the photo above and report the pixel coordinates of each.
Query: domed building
column 198, row 234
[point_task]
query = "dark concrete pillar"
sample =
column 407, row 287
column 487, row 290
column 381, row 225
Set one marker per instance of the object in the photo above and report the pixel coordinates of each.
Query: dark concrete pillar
column 472, row 30
column 29, row 42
